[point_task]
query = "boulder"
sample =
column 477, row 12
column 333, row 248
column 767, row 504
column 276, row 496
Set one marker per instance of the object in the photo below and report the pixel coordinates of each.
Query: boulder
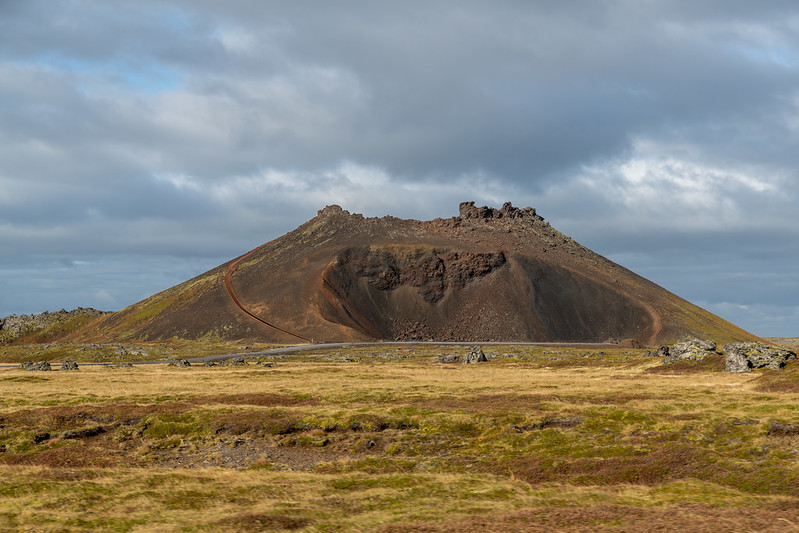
column 744, row 356
column 475, row 355
column 69, row 365
column 736, row 361
column 448, row 358
column 179, row 362
column 629, row 343
column 40, row 366
column 693, row 350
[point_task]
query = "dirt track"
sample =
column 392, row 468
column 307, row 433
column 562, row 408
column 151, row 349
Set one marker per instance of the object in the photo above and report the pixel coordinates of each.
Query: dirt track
column 232, row 294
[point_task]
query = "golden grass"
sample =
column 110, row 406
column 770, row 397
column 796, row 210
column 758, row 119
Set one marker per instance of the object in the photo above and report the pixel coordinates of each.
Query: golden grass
column 536, row 439
column 216, row 500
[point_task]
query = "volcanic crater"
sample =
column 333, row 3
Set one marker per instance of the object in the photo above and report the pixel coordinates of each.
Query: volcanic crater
column 486, row 274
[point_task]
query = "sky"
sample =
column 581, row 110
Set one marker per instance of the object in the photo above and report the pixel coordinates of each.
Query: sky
column 143, row 143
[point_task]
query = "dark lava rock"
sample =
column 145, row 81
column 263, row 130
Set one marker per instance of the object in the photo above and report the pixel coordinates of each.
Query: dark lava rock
column 235, row 361
column 744, row 356
column 83, row 433
column 431, row 272
column 475, row 355
column 69, row 365
column 778, row 428
column 745, row 422
column 448, row 358
column 40, row 366
column 180, row 362
column 548, row 423
column 209, row 363
column 468, row 210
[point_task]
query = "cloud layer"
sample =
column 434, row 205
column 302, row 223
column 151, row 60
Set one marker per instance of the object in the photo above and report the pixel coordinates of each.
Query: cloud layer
column 173, row 135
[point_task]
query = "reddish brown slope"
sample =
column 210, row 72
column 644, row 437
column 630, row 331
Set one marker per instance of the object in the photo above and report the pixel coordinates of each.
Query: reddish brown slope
column 487, row 274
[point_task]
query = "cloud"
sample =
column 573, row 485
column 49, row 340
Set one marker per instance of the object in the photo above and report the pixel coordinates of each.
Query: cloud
column 191, row 128
column 364, row 189
column 664, row 191
column 236, row 40
column 766, row 320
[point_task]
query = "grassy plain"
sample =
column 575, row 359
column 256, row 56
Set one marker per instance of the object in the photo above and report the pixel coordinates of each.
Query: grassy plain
column 388, row 439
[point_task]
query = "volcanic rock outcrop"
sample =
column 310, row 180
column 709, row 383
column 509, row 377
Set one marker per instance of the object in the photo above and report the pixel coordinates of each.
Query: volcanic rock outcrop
column 744, row 356
column 487, row 274
column 693, row 350
column 44, row 326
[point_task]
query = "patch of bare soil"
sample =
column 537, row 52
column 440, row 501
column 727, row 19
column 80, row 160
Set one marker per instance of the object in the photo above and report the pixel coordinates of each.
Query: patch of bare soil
column 264, row 522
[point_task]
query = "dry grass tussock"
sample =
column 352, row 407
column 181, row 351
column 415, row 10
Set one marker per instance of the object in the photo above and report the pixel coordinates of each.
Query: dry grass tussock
column 536, row 439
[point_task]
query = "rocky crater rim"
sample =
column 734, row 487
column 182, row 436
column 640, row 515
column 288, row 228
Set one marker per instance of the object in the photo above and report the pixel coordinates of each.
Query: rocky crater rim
column 467, row 211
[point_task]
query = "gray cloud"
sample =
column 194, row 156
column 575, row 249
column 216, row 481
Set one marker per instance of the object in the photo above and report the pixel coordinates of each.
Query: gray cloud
column 163, row 128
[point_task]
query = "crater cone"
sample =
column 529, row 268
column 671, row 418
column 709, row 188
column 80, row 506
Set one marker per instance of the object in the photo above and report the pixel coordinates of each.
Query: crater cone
column 487, row 274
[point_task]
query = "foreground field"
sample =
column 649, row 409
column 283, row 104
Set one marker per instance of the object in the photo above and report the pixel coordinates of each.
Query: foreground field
column 391, row 440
